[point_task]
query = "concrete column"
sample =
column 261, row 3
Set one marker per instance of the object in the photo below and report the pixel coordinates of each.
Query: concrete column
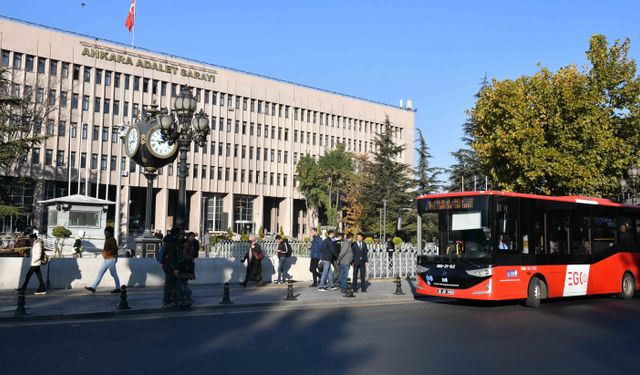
column 125, row 197
column 162, row 210
column 285, row 218
column 258, row 208
column 227, row 208
column 195, row 213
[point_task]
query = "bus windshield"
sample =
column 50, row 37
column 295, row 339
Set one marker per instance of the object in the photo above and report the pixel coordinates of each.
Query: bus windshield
column 462, row 225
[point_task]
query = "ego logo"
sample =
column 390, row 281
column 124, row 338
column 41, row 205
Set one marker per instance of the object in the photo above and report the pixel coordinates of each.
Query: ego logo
column 577, row 278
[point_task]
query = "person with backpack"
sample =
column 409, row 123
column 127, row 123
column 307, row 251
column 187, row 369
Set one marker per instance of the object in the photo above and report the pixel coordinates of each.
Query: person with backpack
column 38, row 258
column 284, row 253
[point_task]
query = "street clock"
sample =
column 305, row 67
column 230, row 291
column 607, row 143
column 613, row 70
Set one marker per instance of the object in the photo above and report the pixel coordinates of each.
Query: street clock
column 145, row 145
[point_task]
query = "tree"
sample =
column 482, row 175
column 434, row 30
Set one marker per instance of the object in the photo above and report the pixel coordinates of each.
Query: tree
column 426, row 179
column 60, row 233
column 309, row 185
column 563, row 133
column 334, row 169
column 18, row 135
column 386, row 178
column 353, row 196
column 468, row 169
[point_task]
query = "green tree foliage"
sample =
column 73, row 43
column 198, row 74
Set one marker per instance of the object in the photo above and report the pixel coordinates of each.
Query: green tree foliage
column 426, row 177
column 310, row 185
column 17, row 118
column 468, row 170
column 386, row 178
column 60, row 233
column 569, row 132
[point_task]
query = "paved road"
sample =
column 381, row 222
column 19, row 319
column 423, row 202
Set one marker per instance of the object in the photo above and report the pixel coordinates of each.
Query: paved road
column 586, row 336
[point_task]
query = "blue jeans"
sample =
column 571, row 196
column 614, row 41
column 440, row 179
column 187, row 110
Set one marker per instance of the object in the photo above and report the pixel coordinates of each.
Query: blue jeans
column 109, row 264
column 326, row 271
column 344, row 272
column 282, row 272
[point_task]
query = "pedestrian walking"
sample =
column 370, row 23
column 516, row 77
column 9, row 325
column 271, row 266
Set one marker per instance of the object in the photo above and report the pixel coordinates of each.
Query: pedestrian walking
column 345, row 258
column 38, row 258
column 316, row 247
column 390, row 247
column 171, row 268
column 254, row 258
column 110, row 258
column 326, row 256
column 360, row 261
column 283, row 250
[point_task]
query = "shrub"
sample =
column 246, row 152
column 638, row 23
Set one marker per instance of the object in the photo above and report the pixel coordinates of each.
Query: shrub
column 397, row 241
column 260, row 233
column 60, row 233
column 369, row 240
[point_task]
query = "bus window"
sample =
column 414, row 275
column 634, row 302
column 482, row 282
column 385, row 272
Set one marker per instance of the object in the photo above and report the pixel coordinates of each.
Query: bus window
column 627, row 229
column 581, row 230
column 507, row 218
column 604, row 228
column 558, row 228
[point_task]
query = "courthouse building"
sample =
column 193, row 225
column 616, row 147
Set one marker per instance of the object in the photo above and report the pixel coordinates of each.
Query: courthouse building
column 243, row 179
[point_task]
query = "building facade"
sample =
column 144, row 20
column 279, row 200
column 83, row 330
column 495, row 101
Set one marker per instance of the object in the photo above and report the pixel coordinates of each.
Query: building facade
column 243, row 179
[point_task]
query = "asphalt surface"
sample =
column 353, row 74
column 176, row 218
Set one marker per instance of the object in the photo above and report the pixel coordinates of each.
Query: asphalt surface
column 574, row 336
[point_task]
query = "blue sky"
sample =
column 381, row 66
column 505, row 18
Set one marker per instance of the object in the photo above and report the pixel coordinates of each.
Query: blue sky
column 435, row 53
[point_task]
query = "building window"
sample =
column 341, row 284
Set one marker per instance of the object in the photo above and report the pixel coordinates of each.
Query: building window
column 125, row 109
column 107, row 106
column 37, row 127
column 83, row 160
column 84, row 131
column 114, row 162
column 235, row 151
column 136, row 83
column 114, row 135
column 53, row 67
column 116, row 107
column 85, row 102
column 126, row 81
column 48, row 156
column 29, row 64
column 63, row 99
column 170, row 170
column 96, row 104
column 195, row 170
column 73, row 158
column 74, row 101
column 145, row 85
column 94, row 161
column 116, row 80
column 5, row 58
column 98, row 76
column 103, row 163
column 87, row 74
column 74, row 129
column 17, row 60
column 35, row 156
column 50, row 124
column 107, row 78
column 84, row 219
column 62, row 128
column 105, row 134
column 96, row 132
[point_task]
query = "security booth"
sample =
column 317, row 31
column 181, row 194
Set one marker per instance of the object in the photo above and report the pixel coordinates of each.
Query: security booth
column 84, row 216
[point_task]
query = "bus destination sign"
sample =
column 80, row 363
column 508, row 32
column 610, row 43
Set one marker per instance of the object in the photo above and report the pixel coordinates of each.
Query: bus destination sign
column 440, row 204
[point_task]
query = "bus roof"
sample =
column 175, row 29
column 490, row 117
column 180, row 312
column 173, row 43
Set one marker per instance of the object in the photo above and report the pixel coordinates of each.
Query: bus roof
column 568, row 199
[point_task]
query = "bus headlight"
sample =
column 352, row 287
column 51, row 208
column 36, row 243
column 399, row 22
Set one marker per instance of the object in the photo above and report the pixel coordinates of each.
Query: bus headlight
column 482, row 272
column 421, row 269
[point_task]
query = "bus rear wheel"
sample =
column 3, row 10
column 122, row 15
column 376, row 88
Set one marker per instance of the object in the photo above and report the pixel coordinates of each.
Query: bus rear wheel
column 534, row 293
column 628, row 286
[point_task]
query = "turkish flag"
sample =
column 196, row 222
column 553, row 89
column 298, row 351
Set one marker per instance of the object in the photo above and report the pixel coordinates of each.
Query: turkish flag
column 131, row 17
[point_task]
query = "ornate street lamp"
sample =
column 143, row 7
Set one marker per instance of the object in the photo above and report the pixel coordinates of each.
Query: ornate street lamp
column 630, row 188
column 188, row 128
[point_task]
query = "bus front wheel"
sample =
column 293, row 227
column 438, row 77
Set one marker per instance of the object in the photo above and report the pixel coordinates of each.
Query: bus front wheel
column 534, row 293
column 628, row 286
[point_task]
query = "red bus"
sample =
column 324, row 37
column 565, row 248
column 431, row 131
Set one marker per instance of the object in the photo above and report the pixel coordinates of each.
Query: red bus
column 495, row 245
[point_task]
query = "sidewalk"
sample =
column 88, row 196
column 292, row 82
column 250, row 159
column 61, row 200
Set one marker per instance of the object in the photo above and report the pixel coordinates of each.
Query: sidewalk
column 80, row 303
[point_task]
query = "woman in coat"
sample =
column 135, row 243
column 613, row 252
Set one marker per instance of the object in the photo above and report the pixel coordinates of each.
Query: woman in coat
column 254, row 258
column 37, row 256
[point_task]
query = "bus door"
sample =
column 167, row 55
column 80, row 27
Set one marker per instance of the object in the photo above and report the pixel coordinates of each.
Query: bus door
column 559, row 238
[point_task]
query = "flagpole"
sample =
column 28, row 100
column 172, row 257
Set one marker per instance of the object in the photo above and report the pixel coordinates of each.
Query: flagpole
column 133, row 29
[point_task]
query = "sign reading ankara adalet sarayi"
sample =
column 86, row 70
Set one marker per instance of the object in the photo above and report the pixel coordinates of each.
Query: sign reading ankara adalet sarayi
column 122, row 58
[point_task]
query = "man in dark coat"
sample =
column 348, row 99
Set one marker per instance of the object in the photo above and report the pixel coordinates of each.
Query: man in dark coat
column 254, row 258
column 326, row 257
column 171, row 267
column 360, row 261
column 316, row 248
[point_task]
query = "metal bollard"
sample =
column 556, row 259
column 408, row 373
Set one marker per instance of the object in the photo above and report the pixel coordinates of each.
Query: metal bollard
column 290, row 296
column 21, row 310
column 124, row 304
column 348, row 292
column 226, row 300
column 398, row 291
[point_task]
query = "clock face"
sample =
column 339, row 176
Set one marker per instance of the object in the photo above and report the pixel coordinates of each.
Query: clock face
column 158, row 146
column 133, row 141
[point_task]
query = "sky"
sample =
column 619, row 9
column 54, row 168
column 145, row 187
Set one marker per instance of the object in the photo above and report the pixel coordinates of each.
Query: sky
column 434, row 53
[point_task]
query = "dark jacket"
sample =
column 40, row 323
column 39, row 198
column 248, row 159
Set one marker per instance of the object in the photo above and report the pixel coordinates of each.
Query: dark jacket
column 316, row 247
column 326, row 253
column 360, row 255
column 170, row 261
column 285, row 249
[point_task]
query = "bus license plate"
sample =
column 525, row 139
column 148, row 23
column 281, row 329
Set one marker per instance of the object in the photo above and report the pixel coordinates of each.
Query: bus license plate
column 445, row 291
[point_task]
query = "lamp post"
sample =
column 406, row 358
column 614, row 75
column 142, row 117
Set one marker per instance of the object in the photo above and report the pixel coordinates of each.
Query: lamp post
column 118, row 226
column 186, row 129
column 630, row 188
